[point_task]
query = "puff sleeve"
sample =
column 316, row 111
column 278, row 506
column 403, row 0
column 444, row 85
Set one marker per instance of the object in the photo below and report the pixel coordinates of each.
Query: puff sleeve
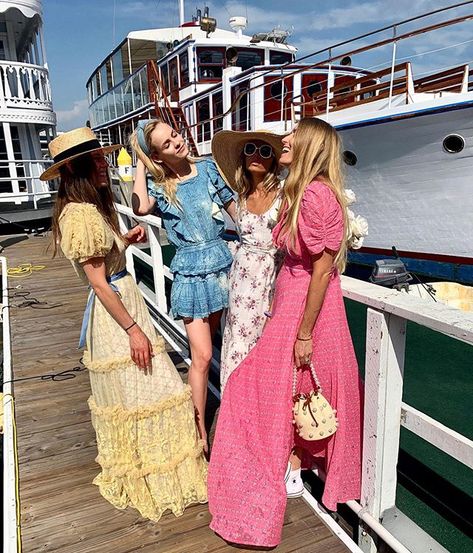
column 219, row 190
column 321, row 219
column 84, row 233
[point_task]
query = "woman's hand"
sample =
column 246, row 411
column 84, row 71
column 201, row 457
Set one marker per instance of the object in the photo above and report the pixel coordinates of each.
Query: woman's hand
column 302, row 352
column 141, row 350
column 136, row 235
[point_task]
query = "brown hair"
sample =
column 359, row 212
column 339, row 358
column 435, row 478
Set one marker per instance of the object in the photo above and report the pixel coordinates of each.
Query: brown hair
column 77, row 184
column 243, row 186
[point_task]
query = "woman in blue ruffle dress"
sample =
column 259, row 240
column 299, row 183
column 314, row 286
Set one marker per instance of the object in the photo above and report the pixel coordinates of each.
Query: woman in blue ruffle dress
column 189, row 195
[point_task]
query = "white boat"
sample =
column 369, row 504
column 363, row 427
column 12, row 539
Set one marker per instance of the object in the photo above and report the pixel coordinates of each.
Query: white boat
column 26, row 114
column 408, row 140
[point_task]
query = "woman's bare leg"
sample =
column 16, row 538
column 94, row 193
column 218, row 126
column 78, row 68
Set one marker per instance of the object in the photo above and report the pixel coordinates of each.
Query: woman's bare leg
column 200, row 332
column 296, row 458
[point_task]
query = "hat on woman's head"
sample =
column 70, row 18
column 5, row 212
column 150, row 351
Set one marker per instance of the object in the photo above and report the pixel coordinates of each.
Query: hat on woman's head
column 73, row 144
column 227, row 147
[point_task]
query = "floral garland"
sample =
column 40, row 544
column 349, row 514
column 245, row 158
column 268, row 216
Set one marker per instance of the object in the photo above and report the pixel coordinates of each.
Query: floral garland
column 357, row 225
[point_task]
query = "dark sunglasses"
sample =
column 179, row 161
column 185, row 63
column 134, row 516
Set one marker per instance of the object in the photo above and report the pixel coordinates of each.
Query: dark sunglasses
column 265, row 151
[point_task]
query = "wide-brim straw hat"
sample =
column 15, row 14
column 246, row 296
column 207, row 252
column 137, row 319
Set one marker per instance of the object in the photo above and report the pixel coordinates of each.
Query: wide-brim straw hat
column 73, row 144
column 227, row 147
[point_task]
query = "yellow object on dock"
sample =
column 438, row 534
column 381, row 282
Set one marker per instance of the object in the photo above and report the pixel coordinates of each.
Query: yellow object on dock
column 450, row 293
column 124, row 165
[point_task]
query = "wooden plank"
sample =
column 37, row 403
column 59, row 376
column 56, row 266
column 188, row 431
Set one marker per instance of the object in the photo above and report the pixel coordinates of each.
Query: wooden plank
column 447, row 440
column 436, row 316
column 61, row 509
column 385, row 345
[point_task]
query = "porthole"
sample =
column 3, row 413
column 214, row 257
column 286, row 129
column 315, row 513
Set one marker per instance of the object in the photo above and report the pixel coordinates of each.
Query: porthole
column 278, row 90
column 350, row 158
column 453, row 143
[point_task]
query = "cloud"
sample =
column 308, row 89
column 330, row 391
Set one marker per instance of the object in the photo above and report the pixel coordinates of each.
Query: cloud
column 74, row 117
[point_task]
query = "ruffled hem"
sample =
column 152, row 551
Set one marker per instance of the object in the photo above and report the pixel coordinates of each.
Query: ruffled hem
column 196, row 297
column 115, row 363
column 202, row 259
column 120, row 414
column 151, row 456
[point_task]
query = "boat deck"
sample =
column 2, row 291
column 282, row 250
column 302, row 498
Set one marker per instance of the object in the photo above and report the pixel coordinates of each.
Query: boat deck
column 60, row 508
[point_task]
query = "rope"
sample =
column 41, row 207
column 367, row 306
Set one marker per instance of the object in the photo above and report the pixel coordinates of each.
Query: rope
column 24, row 270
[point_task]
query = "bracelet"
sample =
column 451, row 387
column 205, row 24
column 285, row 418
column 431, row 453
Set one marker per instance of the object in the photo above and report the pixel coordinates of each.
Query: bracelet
column 303, row 339
column 128, row 328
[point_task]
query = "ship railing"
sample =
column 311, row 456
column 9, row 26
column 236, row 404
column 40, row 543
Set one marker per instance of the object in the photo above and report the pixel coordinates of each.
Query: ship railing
column 24, row 85
column 23, row 181
column 11, row 516
column 388, row 312
column 393, row 87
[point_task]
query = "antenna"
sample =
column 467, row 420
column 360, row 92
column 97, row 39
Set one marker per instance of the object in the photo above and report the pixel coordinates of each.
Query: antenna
column 181, row 13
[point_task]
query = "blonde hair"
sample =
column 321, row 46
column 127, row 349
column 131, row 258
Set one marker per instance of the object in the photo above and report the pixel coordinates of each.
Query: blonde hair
column 243, row 185
column 316, row 155
column 161, row 173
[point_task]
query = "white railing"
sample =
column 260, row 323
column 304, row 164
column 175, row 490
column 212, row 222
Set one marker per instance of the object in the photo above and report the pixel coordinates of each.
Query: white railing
column 10, row 482
column 26, row 186
column 23, row 85
column 385, row 412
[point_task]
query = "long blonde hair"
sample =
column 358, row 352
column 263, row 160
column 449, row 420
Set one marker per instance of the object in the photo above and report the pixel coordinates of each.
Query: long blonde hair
column 316, row 154
column 243, row 184
column 161, row 173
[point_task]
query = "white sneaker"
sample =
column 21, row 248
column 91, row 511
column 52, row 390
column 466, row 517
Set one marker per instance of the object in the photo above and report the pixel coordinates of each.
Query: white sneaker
column 294, row 484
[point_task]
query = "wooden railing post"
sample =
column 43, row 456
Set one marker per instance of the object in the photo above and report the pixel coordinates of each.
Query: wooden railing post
column 385, row 345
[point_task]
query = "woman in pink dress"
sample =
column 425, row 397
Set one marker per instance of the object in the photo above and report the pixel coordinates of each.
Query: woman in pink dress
column 255, row 436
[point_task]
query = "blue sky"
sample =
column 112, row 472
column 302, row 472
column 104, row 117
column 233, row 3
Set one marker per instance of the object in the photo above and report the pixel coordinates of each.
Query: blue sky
column 80, row 33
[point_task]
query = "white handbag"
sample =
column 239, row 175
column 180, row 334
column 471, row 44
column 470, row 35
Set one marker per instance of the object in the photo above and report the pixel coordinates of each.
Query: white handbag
column 313, row 416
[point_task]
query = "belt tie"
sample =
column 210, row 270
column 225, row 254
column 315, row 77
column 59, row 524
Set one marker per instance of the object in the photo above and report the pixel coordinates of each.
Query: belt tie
column 90, row 302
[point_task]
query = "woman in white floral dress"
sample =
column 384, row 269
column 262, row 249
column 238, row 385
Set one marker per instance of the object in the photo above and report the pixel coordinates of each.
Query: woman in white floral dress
column 249, row 164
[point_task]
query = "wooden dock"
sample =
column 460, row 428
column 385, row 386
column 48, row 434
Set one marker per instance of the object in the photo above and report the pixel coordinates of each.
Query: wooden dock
column 61, row 510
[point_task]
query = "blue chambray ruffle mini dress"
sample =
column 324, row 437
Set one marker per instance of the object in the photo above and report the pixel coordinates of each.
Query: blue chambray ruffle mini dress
column 195, row 227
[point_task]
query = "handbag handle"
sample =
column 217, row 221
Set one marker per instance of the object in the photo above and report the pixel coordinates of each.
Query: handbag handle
column 314, row 376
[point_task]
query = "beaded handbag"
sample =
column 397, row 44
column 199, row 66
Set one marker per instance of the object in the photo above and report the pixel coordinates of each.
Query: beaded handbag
column 314, row 418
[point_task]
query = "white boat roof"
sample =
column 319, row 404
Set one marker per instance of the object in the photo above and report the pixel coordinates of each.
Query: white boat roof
column 194, row 32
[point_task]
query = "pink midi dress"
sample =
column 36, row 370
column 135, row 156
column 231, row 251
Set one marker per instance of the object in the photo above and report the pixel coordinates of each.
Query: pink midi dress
column 255, row 434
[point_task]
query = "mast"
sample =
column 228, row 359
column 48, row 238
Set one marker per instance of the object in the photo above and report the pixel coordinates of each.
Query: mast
column 181, row 12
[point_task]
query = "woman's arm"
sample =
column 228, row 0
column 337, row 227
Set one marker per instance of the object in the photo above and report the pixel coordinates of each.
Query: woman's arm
column 141, row 201
column 230, row 208
column 322, row 266
column 141, row 350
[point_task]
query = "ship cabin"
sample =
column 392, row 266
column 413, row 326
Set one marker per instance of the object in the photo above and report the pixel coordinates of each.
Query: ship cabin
column 202, row 81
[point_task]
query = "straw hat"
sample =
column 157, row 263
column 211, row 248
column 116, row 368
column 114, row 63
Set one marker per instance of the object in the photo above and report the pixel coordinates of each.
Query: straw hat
column 73, row 144
column 227, row 147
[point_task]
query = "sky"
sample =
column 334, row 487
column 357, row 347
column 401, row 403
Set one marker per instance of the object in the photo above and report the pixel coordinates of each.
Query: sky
column 80, row 33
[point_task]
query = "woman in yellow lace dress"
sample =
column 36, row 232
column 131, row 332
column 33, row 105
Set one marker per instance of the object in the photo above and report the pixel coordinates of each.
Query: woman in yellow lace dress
column 148, row 447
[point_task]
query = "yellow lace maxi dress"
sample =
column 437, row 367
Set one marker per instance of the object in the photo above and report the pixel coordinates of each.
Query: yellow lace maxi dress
column 148, row 446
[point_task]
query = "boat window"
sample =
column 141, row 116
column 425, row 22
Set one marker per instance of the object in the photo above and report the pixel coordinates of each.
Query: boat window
column 165, row 77
column 248, row 58
column 117, row 67
column 203, row 116
column 278, row 90
column 350, row 158
column 217, row 105
column 184, row 68
column 277, row 58
column 314, row 88
column 210, row 63
column 453, row 143
column 173, row 74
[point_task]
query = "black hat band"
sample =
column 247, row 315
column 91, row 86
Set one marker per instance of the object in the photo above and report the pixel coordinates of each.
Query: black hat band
column 82, row 148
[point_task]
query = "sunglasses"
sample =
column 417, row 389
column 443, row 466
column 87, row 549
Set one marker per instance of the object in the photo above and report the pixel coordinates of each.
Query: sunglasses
column 265, row 151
